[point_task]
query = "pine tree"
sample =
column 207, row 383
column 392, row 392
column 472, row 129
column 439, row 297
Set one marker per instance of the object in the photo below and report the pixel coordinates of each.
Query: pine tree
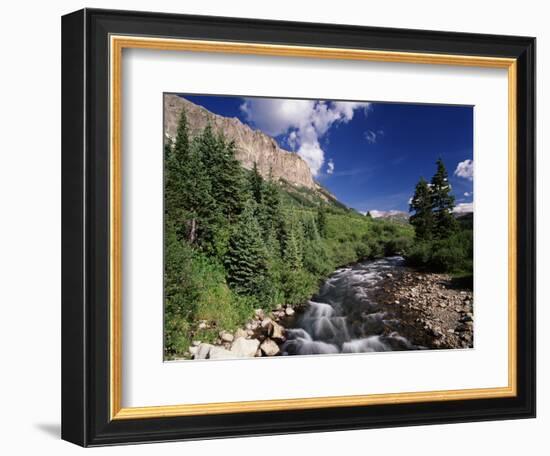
column 368, row 215
column 310, row 227
column 421, row 204
column 201, row 206
column 224, row 172
column 256, row 183
column 228, row 182
column 293, row 250
column 271, row 209
column 182, row 138
column 442, row 203
column 246, row 259
column 322, row 221
column 176, row 167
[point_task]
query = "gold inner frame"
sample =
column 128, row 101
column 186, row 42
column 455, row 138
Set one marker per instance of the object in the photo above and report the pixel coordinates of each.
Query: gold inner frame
column 117, row 44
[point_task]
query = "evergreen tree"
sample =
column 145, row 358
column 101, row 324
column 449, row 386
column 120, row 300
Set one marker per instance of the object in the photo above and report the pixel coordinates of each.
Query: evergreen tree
column 171, row 176
column 293, row 250
column 209, row 146
column 421, row 204
column 256, row 184
column 182, row 138
column 176, row 168
column 310, row 228
column 229, row 188
column 272, row 215
column 224, row 172
column 442, row 203
column 201, row 206
column 322, row 220
column 246, row 259
column 368, row 215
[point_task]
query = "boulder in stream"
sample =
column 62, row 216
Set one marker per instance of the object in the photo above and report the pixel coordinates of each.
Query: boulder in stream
column 269, row 347
column 242, row 347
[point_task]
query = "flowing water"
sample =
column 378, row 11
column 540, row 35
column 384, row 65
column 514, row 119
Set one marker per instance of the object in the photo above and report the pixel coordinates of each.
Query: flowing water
column 343, row 318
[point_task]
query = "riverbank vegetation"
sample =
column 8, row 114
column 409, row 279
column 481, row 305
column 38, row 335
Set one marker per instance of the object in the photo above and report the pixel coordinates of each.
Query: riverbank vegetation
column 235, row 241
column 442, row 243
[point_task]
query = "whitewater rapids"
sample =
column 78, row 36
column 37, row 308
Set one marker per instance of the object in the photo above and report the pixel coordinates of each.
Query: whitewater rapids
column 342, row 317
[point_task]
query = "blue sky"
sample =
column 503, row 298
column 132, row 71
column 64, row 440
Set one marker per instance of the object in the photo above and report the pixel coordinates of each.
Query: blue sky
column 370, row 155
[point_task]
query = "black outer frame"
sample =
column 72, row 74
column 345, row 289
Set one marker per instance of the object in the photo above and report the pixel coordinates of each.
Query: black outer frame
column 85, row 227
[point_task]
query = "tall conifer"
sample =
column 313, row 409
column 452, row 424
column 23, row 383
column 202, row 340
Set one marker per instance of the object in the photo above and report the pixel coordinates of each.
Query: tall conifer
column 421, row 205
column 246, row 258
column 442, row 203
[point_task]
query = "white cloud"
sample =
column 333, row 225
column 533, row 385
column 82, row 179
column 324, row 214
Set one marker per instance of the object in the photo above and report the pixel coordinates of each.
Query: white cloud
column 467, row 194
column 330, row 166
column 376, row 213
column 303, row 121
column 372, row 136
column 465, row 169
column 463, row 208
column 292, row 140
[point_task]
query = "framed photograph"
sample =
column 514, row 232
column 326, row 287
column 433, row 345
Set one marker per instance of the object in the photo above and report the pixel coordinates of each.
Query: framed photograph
column 278, row 227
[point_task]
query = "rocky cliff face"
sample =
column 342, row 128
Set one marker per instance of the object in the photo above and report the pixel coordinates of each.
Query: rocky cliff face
column 252, row 146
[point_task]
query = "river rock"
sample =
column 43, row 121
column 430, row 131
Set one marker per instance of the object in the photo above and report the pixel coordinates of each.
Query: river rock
column 220, row 353
column 267, row 323
column 259, row 313
column 269, row 347
column 241, row 333
column 226, row 336
column 245, row 347
column 203, row 350
column 289, row 311
column 277, row 332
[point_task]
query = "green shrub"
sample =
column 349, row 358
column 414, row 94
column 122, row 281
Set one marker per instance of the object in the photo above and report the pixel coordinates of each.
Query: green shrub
column 363, row 250
column 397, row 246
column 297, row 286
column 452, row 254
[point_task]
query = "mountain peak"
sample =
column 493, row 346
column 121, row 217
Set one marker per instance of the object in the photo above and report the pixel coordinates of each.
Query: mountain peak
column 252, row 146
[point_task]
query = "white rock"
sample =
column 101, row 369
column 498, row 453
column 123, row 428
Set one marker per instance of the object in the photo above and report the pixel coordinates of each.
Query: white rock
column 241, row 333
column 196, row 343
column 203, row 350
column 193, row 350
column 226, row 336
column 269, row 347
column 266, row 323
column 220, row 353
column 203, row 324
column 289, row 311
column 245, row 347
column 259, row 313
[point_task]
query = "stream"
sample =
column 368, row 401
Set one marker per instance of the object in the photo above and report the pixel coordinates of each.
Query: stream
column 343, row 318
